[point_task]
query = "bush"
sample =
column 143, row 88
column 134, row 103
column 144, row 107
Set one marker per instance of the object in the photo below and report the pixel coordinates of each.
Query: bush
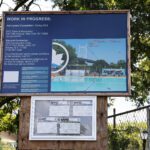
column 126, row 137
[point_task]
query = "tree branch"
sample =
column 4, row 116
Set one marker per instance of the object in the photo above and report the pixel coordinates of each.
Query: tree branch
column 21, row 3
column 6, row 100
column 38, row 6
column 28, row 6
column 7, row 5
column 1, row 3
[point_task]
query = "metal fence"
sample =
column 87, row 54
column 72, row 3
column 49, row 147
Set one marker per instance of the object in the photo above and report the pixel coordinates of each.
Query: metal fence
column 125, row 129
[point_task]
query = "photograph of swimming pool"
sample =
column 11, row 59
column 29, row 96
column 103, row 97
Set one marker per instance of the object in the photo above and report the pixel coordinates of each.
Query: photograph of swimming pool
column 88, row 84
column 89, row 65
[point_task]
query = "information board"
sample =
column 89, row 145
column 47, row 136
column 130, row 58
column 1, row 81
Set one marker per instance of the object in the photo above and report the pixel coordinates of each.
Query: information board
column 63, row 118
column 66, row 52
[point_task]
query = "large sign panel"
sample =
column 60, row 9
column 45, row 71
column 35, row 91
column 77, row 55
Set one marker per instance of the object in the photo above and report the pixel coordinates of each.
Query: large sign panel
column 66, row 52
column 63, row 118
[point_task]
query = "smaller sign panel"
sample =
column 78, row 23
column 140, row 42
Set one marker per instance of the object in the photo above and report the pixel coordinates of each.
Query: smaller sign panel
column 63, row 118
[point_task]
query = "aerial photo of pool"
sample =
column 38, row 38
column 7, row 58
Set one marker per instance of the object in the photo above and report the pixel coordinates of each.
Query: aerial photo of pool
column 88, row 84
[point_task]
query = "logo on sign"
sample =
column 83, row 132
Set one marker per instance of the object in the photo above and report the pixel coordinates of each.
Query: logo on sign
column 60, row 57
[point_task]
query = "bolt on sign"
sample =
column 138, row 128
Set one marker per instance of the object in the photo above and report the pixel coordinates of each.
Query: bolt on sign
column 66, row 52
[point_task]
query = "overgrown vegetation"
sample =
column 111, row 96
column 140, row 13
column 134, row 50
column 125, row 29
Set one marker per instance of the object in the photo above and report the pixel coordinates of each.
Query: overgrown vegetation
column 9, row 116
column 126, row 136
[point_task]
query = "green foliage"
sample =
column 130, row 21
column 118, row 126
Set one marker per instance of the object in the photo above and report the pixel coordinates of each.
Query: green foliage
column 126, row 136
column 84, row 4
column 121, row 64
column 98, row 65
column 9, row 116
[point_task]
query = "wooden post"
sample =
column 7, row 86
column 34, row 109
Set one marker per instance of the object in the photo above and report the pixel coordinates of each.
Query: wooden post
column 99, row 144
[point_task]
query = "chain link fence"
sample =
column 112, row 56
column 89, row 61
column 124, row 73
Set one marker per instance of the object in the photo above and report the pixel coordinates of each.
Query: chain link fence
column 125, row 129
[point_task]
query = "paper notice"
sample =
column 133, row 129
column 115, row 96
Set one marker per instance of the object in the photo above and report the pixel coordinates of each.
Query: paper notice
column 11, row 76
column 82, row 110
column 47, row 127
column 59, row 111
column 69, row 128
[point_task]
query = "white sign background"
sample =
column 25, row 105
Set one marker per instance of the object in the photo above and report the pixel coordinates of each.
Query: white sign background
column 68, row 125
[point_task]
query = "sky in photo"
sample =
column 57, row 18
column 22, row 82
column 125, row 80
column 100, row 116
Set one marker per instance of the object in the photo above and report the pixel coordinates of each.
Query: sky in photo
column 110, row 50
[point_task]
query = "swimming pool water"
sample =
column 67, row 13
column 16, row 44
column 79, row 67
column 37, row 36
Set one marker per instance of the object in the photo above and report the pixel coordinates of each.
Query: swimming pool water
column 88, row 84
